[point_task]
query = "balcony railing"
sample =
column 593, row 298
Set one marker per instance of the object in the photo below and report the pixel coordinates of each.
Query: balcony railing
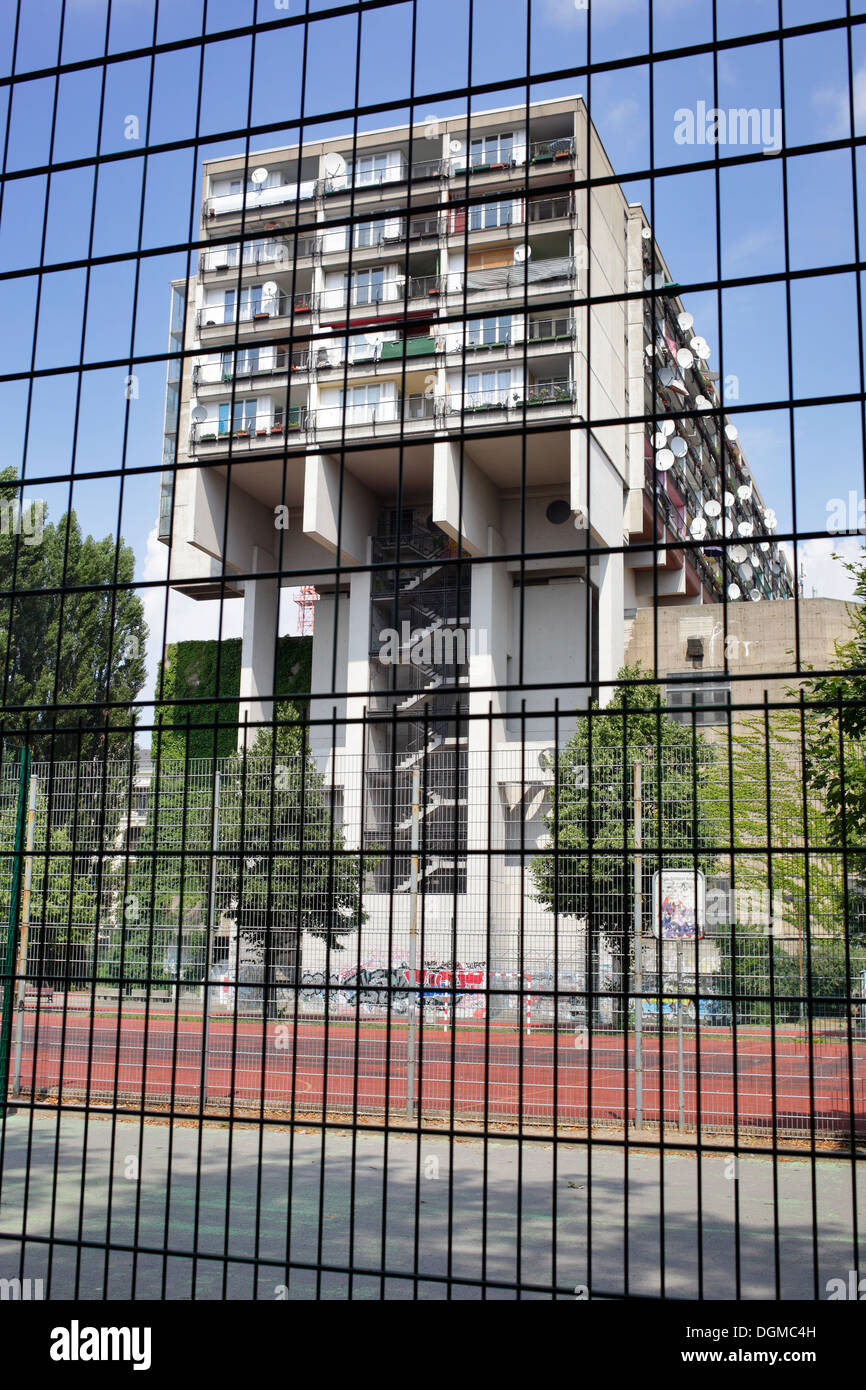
column 251, row 431
column 283, row 306
column 549, row 151
column 553, row 330
column 224, row 258
column 252, row 200
column 265, row 430
column 515, row 398
column 510, row 277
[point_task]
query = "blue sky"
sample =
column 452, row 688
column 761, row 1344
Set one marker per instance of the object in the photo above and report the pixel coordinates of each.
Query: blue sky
column 752, row 320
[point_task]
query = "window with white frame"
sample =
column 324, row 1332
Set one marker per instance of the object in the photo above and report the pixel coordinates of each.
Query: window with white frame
column 488, row 388
column 371, row 168
column 367, row 286
column 492, row 149
column 237, row 415
column 502, row 214
column 363, row 404
column 496, row 329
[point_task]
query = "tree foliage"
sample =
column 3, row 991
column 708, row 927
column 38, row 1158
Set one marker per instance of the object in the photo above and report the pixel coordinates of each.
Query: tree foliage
column 70, row 638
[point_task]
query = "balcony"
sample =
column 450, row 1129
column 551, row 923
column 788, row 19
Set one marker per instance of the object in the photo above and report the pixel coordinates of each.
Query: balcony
column 254, row 202
column 506, row 281
column 540, row 153
column 384, row 298
column 257, row 314
column 556, row 397
column 273, row 431
column 219, row 260
column 373, row 180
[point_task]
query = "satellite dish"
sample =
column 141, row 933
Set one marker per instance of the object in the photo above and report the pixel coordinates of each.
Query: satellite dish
column 745, row 528
column 755, row 595
column 667, row 427
column 686, row 321
column 654, row 282
column 745, row 569
column 271, row 289
column 454, row 147
column 744, row 492
column 685, row 359
column 733, row 591
column 660, row 441
column 334, row 164
column 544, row 841
column 738, row 554
column 522, row 253
column 731, row 432
column 198, row 414
column 664, row 460
column 729, row 499
column 667, row 376
column 259, row 175
column 712, row 507
column 646, row 234
column 775, row 567
column 679, row 447
column 770, row 520
column 701, row 348
column 533, row 803
column 765, row 546
column 702, row 403
column 698, row 528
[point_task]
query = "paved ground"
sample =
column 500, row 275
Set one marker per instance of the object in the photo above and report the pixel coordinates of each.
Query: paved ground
column 368, row 1193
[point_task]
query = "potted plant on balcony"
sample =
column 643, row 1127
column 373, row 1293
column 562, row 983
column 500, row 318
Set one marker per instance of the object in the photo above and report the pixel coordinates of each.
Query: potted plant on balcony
column 302, row 307
column 206, row 438
column 276, row 429
column 242, row 434
column 543, row 155
column 261, row 314
column 261, row 432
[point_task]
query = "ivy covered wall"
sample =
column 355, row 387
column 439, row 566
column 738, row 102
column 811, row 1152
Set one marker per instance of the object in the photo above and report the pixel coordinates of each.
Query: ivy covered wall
column 190, row 674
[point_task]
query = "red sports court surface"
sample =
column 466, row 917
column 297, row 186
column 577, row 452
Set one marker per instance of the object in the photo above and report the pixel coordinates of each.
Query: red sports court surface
column 757, row 1078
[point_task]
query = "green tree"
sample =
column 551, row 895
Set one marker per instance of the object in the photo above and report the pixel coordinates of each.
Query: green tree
column 63, row 899
column 68, row 636
column 591, row 822
column 282, row 865
column 836, row 733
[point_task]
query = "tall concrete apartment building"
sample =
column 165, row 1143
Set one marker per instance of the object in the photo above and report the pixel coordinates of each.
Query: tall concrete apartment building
column 431, row 373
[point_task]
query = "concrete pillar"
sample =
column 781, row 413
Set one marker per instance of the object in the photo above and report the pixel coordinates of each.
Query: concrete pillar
column 611, row 636
column 486, row 892
column 258, row 648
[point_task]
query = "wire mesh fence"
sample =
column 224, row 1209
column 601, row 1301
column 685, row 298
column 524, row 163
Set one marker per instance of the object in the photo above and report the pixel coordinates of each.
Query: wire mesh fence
column 226, row 937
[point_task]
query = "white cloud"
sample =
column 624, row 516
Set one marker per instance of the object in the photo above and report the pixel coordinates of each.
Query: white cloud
column 824, row 575
column 562, row 14
column 836, row 103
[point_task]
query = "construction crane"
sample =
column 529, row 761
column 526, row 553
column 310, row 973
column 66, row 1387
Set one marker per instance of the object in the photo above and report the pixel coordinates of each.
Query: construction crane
column 307, row 596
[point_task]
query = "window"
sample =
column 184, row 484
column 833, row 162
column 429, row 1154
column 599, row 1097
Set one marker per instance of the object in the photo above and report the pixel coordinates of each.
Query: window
column 251, row 301
column 705, row 702
column 487, row 388
column 489, row 330
column 367, row 286
column 370, row 168
column 491, row 149
column 370, row 233
column 361, row 403
column 241, row 417
column 492, row 215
